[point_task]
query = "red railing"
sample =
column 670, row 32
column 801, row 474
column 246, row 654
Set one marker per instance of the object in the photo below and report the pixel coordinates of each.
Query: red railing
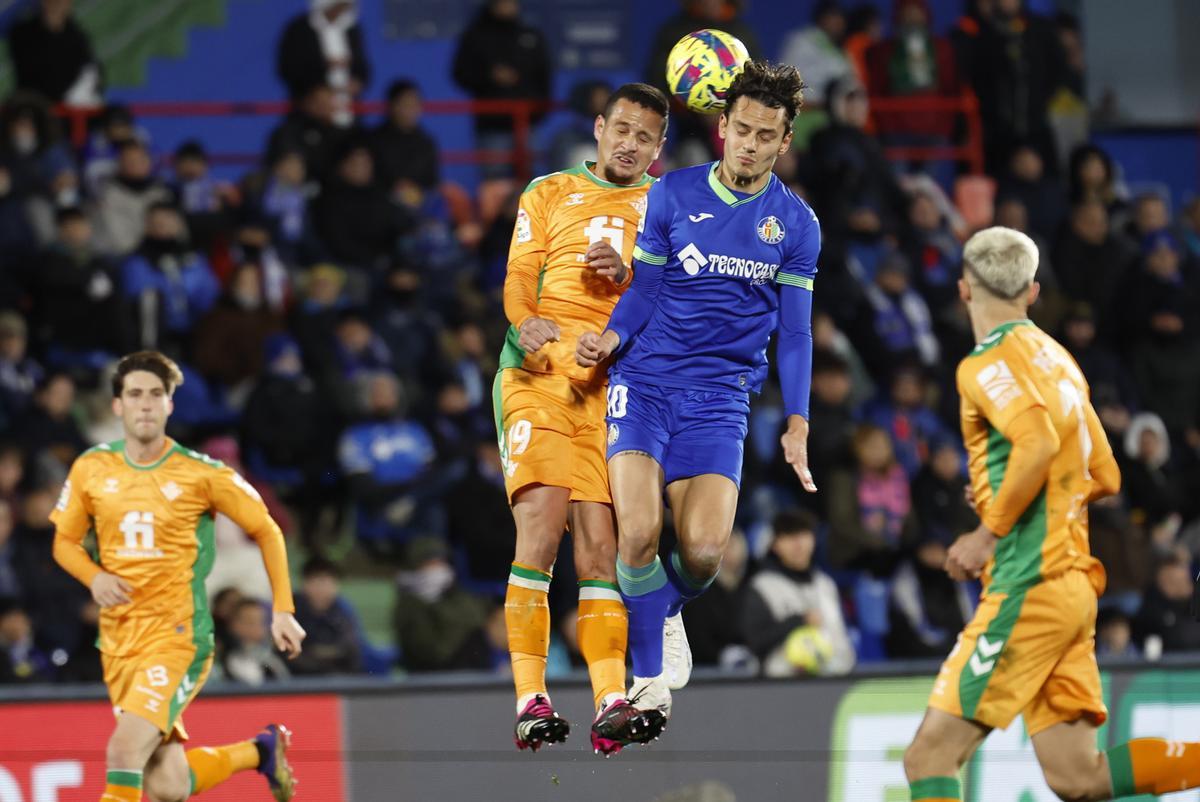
column 522, row 113
column 971, row 149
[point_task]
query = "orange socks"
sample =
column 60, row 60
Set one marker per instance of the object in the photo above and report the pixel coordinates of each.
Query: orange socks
column 527, row 619
column 603, row 633
column 213, row 765
column 1153, row 766
column 122, row 786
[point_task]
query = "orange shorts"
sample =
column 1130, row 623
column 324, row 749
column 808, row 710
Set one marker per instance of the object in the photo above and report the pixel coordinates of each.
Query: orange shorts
column 159, row 680
column 551, row 433
column 1030, row 652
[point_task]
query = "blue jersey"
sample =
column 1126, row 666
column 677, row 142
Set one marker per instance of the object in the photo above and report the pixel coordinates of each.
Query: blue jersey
column 716, row 260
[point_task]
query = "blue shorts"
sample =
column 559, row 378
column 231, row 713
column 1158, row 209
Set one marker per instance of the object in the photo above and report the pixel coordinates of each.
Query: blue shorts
column 688, row 432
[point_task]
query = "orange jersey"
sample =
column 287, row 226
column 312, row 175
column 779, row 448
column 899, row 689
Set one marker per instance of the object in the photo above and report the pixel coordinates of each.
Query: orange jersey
column 1016, row 368
column 561, row 215
column 154, row 529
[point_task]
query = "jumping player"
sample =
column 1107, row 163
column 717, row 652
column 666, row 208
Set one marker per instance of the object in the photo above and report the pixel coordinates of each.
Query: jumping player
column 151, row 503
column 726, row 256
column 1038, row 455
column 567, row 266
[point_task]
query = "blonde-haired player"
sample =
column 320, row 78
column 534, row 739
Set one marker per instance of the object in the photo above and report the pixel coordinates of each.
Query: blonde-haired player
column 151, row 503
column 1038, row 455
column 574, row 237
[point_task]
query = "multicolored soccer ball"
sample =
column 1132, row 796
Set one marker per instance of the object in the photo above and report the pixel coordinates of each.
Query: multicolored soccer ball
column 808, row 649
column 701, row 67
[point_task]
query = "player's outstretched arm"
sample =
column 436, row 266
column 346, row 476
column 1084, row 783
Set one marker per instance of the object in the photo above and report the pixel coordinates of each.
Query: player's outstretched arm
column 72, row 519
column 794, row 355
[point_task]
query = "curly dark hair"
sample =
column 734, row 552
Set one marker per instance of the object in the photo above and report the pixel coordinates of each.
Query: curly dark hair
column 773, row 85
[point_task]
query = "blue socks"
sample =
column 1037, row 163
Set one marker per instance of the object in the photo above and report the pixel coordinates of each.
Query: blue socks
column 652, row 594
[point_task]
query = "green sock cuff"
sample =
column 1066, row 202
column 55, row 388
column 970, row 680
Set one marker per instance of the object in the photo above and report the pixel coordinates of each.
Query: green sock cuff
column 681, row 571
column 935, row 788
column 191, row 781
column 1120, row 771
column 598, row 583
column 530, row 573
column 640, row 581
column 127, row 778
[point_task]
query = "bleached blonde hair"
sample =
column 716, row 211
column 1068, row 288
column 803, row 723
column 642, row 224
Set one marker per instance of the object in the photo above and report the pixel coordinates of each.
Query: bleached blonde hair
column 1003, row 260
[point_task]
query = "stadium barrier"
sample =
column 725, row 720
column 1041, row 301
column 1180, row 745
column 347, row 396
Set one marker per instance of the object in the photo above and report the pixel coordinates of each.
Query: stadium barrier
column 449, row 739
column 522, row 113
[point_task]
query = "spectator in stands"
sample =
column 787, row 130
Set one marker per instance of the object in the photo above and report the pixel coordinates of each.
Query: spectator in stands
column 20, row 373
column 792, row 616
column 400, row 313
column 894, row 324
column 222, row 603
column 20, row 658
column 904, row 415
column 48, row 427
column 52, row 55
column 817, row 52
column 308, row 129
column 1018, row 67
column 122, row 207
column 10, row 581
column 871, row 520
column 1041, row 194
column 1152, row 492
column 1091, row 263
column 864, row 29
column 500, row 57
column 1106, row 374
column 18, row 239
column 358, row 349
column 479, row 521
column 251, row 658
column 388, row 461
column 927, row 609
column 325, row 47
column 1092, row 177
column 936, row 255
column 966, row 34
column 1151, row 215
column 51, row 597
column 1190, row 227
column 83, row 660
column 854, row 185
column 77, row 297
column 439, row 625
column 714, row 625
column 168, row 285
column 1165, row 613
column 332, row 643
column 354, row 218
column 227, row 345
column 913, row 63
column 576, row 140
column 942, row 512
column 39, row 164
column 1114, row 635
column 1047, row 313
column 406, row 156
column 204, row 200
column 285, row 204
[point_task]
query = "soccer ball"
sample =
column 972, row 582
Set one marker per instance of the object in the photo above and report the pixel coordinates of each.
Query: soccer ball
column 701, row 67
column 807, row 649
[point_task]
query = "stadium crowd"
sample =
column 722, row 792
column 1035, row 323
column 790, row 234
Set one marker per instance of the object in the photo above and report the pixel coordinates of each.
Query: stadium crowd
column 336, row 314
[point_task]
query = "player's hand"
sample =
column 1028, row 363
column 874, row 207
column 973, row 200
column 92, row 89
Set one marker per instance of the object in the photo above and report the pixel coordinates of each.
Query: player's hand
column 109, row 590
column 536, row 332
column 795, row 450
column 603, row 258
column 970, row 553
column 593, row 348
column 287, row 633
column 969, row 495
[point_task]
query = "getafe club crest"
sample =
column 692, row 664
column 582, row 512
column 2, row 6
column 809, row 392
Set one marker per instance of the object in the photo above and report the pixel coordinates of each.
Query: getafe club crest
column 614, row 433
column 770, row 230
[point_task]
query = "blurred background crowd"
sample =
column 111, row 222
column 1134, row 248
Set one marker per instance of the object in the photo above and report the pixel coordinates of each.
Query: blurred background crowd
column 335, row 309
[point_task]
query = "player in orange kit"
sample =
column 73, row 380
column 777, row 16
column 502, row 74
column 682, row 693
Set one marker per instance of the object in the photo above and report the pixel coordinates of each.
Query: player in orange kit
column 151, row 503
column 1037, row 456
column 566, row 268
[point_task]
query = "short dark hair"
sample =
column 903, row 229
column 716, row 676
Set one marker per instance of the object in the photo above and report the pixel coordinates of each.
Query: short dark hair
column 154, row 362
column 68, row 214
column 827, row 361
column 191, row 149
column 318, row 565
column 401, row 86
column 162, row 206
column 794, row 521
column 773, row 85
column 645, row 96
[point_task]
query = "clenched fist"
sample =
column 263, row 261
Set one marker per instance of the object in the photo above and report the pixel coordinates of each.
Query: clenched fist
column 536, row 332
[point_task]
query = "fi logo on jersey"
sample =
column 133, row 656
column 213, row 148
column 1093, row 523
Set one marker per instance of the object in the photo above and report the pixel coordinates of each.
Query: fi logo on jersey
column 770, row 230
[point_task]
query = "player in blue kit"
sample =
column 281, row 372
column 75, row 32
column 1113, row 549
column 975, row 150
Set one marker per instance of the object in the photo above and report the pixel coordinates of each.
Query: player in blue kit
column 726, row 255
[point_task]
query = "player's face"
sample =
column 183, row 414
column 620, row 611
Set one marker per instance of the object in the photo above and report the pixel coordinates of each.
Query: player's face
column 755, row 136
column 628, row 141
column 143, row 406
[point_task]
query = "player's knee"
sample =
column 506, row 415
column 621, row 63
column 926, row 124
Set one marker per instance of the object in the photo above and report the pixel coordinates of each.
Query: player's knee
column 926, row 758
column 703, row 559
column 638, row 535
column 163, row 786
column 1072, row 785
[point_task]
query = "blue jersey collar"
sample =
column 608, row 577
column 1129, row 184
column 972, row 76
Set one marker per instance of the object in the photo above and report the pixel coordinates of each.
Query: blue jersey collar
column 725, row 194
